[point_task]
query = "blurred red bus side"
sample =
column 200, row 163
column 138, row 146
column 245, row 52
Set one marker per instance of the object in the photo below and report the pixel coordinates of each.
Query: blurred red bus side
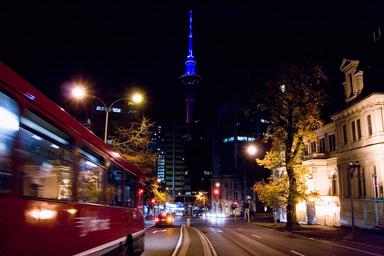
column 63, row 191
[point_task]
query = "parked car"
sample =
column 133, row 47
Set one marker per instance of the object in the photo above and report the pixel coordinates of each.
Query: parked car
column 165, row 219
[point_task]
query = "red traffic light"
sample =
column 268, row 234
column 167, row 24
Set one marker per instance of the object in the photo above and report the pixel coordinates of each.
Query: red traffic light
column 216, row 191
column 153, row 200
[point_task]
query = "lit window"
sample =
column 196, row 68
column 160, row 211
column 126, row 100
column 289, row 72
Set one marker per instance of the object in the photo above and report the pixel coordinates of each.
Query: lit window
column 229, row 139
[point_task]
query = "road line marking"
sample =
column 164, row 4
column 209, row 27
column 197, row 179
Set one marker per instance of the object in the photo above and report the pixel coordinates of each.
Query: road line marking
column 295, row 252
column 220, row 231
column 343, row 246
column 159, row 230
column 354, row 249
column 256, row 236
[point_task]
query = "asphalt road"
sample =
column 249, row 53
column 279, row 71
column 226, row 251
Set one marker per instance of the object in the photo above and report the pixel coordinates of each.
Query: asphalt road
column 230, row 237
column 161, row 241
column 236, row 238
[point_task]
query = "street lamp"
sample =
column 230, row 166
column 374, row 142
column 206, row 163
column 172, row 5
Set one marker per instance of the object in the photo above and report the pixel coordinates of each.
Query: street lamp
column 79, row 92
column 251, row 151
column 353, row 166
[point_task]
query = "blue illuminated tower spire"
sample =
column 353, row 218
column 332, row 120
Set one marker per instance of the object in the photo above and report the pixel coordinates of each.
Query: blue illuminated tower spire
column 190, row 78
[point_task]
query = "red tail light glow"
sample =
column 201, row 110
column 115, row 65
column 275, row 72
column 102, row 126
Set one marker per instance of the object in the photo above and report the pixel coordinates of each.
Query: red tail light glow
column 157, row 219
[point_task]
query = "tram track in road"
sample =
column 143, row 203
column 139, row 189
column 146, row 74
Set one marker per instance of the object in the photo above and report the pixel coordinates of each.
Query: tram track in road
column 237, row 244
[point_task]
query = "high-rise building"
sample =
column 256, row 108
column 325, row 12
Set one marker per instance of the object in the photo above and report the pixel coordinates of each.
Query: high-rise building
column 234, row 171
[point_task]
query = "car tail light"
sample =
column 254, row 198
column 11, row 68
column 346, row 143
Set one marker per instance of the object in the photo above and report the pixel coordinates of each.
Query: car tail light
column 164, row 214
column 157, row 219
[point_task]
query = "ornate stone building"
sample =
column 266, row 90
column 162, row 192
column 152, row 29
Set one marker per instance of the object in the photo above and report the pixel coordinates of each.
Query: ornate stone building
column 355, row 133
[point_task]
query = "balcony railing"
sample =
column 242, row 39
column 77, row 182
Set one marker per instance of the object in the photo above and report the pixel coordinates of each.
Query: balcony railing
column 316, row 155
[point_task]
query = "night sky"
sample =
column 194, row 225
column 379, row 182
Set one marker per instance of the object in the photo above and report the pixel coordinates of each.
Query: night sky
column 118, row 45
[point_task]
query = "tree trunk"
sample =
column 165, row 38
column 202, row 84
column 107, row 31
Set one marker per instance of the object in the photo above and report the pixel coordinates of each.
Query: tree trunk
column 292, row 195
column 292, row 200
column 274, row 216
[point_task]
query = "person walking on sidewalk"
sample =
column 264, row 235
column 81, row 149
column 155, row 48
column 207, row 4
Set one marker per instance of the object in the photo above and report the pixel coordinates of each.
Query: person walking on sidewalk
column 246, row 208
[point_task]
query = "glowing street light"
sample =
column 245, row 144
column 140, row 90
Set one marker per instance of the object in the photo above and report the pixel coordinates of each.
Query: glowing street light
column 79, row 92
column 137, row 98
column 251, row 150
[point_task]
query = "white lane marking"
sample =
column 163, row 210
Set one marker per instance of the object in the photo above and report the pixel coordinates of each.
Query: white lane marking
column 295, row 252
column 351, row 248
column 342, row 246
column 160, row 230
column 256, row 236
column 220, row 231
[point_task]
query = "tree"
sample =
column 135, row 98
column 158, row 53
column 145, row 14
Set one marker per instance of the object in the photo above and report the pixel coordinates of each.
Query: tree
column 133, row 143
column 275, row 194
column 293, row 101
column 161, row 197
column 201, row 198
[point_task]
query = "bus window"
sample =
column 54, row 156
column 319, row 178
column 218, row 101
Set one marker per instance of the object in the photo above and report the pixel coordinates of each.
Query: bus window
column 9, row 125
column 129, row 190
column 46, row 163
column 114, row 192
column 90, row 181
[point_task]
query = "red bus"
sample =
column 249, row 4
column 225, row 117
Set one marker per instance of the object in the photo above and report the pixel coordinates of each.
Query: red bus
column 63, row 191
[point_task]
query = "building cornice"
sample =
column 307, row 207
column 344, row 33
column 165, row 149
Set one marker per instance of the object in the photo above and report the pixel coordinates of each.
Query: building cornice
column 367, row 102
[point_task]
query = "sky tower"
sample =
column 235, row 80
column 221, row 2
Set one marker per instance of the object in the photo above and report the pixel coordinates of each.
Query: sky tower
column 190, row 78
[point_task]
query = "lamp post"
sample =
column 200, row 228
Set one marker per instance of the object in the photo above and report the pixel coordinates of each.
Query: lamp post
column 79, row 92
column 353, row 166
column 251, row 151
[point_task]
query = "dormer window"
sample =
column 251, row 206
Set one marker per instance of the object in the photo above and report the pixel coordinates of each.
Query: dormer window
column 353, row 84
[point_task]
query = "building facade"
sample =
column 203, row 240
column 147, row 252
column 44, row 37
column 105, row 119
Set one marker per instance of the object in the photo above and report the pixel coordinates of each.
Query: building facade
column 355, row 134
